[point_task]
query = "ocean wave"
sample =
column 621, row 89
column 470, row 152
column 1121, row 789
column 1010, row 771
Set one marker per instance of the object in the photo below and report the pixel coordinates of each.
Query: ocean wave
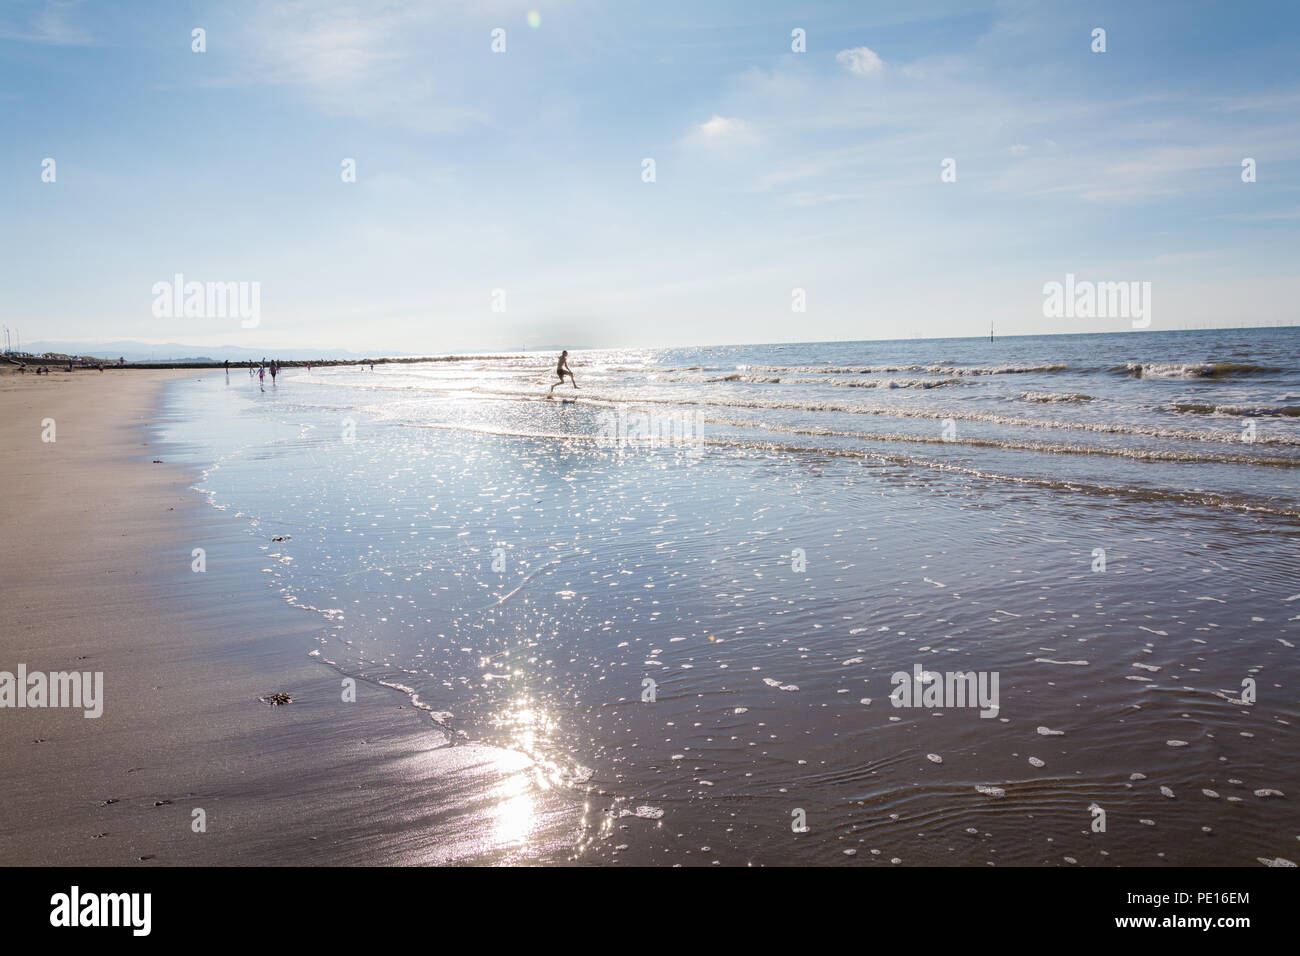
column 744, row 379
column 1235, row 411
column 894, row 369
column 990, row 418
column 1066, row 397
column 1191, row 370
column 886, row 382
column 1017, row 444
column 736, row 377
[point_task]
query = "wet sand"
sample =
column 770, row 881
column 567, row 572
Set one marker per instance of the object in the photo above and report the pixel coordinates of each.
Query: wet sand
column 98, row 577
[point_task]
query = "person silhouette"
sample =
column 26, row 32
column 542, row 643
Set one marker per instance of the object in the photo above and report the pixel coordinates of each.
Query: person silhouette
column 562, row 369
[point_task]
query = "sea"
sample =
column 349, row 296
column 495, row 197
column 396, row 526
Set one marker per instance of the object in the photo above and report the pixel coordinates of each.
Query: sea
column 1031, row 600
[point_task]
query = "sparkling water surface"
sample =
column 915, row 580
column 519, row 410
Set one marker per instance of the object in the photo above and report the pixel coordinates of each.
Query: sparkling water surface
column 680, row 592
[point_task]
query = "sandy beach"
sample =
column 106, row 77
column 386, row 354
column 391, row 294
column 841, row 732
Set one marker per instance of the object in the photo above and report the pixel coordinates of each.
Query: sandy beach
column 98, row 578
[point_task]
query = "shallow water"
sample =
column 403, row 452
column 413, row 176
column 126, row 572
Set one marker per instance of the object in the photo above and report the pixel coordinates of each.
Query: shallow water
column 522, row 567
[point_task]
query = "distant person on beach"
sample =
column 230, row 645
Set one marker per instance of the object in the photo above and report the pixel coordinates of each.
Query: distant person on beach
column 562, row 369
column 274, row 368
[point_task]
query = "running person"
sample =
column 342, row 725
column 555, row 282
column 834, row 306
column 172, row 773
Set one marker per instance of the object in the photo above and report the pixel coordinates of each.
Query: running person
column 562, row 369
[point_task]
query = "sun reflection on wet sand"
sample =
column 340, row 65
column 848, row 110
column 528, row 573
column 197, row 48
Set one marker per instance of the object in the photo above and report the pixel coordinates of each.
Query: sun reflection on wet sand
column 528, row 728
column 514, row 813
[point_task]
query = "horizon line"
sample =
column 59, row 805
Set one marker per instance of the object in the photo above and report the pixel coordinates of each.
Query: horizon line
column 597, row 348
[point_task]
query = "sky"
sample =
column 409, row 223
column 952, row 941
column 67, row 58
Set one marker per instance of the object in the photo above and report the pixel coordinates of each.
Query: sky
column 501, row 198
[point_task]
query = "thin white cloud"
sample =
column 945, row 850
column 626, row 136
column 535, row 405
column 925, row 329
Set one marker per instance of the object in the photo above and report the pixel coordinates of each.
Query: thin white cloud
column 49, row 22
column 1288, row 100
column 721, row 126
column 355, row 58
column 1284, row 215
column 722, row 131
column 861, row 60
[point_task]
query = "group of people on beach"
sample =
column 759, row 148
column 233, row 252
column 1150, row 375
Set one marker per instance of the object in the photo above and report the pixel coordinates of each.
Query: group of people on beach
column 273, row 368
column 45, row 369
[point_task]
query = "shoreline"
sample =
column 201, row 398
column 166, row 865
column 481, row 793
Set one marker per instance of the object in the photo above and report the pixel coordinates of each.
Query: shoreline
column 101, row 581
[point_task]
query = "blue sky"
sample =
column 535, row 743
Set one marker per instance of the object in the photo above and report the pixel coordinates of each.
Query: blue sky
column 522, row 170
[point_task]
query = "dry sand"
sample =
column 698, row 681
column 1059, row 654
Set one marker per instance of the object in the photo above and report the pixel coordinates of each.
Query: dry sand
column 97, row 577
